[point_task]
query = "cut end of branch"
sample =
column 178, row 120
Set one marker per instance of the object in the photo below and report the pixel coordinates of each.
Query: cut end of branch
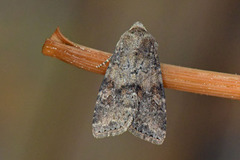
column 83, row 57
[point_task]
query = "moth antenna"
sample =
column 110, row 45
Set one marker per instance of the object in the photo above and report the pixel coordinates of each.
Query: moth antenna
column 100, row 65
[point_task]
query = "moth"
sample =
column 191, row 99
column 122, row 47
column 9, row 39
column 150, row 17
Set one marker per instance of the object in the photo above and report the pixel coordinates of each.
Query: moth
column 131, row 96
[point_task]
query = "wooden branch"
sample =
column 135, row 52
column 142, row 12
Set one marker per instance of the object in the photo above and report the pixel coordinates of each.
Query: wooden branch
column 174, row 77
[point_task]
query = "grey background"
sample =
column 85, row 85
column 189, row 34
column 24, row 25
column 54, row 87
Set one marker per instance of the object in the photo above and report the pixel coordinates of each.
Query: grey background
column 46, row 105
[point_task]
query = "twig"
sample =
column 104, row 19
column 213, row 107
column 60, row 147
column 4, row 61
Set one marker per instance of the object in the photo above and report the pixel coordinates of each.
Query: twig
column 174, row 77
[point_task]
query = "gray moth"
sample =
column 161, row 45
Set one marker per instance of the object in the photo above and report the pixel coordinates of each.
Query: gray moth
column 131, row 96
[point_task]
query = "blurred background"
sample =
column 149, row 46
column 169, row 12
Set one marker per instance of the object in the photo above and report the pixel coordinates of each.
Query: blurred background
column 46, row 105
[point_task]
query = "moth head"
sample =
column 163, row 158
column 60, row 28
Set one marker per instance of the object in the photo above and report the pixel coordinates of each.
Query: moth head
column 134, row 38
column 138, row 25
column 137, row 30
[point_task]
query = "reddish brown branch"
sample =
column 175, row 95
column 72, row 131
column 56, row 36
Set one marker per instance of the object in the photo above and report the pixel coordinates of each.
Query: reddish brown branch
column 174, row 77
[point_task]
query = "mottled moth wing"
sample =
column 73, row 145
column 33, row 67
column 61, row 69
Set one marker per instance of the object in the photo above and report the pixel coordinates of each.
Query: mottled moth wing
column 117, row 99
column 149, row 122
column 132, row 95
